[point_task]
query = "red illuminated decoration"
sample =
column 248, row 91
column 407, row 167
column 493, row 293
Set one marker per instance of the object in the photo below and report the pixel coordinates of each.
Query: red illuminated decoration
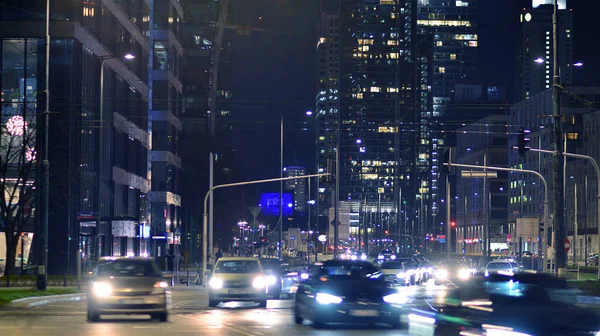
column 453, row 224
column 16, row 125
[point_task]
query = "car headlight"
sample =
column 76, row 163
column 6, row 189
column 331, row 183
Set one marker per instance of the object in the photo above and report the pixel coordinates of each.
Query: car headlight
column 215, row 283
column 401, row 275
column 353, row 257
column 304, row 276
column 486, row 274
column 464, row 274
column 442, row 274
column 259, row 282
column 393, row 257
column 395, row 298
column 101, row 289
column 380, row 257
column 363, row 257
column 271, row 280
column 324, row 298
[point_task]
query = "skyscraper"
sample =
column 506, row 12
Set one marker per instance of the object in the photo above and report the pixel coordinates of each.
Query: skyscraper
column 366, row 90
column 452, row 26
column 534, row 57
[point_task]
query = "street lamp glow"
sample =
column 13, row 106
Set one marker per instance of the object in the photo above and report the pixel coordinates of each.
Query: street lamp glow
column 309, row 113
column 358, row 141
column 129, row 56
column 578, row 64
column 539, row 60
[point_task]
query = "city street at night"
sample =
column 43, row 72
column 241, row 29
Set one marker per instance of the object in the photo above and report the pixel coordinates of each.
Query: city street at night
column 189, row 315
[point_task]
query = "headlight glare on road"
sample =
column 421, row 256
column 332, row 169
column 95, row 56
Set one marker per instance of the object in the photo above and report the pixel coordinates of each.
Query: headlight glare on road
column 161, row 284
column 215, row 283
column 271, row 279
column 102, row 289
column 324, row 298
column 395, row 298
column 442, row 274
column 259, row 282
column 464, row 274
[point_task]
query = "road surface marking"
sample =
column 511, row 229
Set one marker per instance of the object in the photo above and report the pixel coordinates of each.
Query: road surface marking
column 226, row 326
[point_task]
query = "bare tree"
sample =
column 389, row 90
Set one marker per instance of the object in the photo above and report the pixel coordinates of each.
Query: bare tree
column 17, row 169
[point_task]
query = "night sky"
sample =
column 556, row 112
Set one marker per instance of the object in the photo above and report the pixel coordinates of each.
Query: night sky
column 274, row 72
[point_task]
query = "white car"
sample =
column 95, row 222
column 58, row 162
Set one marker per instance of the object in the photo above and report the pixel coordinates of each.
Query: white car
column 239, row 279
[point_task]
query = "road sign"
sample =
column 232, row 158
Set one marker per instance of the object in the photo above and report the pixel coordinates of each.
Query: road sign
column 478, row 174
column 567, row 245
column 177, row 232
column 322, row 238
column 311, row 244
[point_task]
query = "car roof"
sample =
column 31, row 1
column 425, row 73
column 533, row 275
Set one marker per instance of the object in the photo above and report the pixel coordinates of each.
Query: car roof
column 125, row 258
column 238, row 259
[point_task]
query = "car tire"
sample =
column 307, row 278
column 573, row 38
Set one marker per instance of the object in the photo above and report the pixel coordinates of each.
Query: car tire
column 262, row 304
column 92, row 316
column 297, row 318
column 213, row 303
column 162, row 317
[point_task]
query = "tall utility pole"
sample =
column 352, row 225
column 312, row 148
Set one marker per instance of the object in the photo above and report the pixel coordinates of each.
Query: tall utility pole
column 336, row 216
column 255, row 211
column 557, row 167
column 280, row 231
column 211, row 205
column 41, row 281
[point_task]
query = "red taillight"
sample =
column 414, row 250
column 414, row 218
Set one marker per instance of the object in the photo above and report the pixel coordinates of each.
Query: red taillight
column 161, row 284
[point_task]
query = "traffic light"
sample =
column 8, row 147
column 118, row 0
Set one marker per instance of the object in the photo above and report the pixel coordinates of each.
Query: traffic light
column 523, row 141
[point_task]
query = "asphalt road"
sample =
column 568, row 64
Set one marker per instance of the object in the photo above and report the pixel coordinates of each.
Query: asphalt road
column 189, row 315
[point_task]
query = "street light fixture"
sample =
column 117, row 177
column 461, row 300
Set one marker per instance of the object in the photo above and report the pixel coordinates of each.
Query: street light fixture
column 129, row 56
column 578, row 64
column 539, row 60
column 309, row 113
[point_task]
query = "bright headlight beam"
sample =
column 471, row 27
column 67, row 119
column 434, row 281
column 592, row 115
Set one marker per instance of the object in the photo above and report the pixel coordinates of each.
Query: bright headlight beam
column 395, row 298
column 271, row 280
column 215, row 283
column 259, row 282
column 102, row 289
column 324, row 298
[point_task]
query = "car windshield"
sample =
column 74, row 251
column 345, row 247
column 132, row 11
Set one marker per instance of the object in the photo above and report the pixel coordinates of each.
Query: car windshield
column 499, row 266
column 392, row 265
column 127, row 268
column 353, row 270
column 272, row 265
column 408, row 263
column 237, row 266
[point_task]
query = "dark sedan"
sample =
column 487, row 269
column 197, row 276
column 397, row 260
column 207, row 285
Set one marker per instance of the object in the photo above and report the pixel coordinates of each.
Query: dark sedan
column 346, row 292
column 522, row 304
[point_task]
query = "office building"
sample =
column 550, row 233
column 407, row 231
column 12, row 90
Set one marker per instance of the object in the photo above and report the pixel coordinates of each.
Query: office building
column 298, row 187
column 526, row 190
column 453, row 26
column 535, row 50
column 481, row 203
column 367, row 68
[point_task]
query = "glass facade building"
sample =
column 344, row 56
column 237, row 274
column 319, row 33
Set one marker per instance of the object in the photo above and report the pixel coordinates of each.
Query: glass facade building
column 368, row 66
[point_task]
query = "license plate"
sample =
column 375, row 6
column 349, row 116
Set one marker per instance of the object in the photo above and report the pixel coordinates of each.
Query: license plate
column 238, row 291
column 132, row 301
column 369, row 312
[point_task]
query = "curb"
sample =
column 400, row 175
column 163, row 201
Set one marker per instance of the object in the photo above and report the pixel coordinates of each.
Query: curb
column 35, row 301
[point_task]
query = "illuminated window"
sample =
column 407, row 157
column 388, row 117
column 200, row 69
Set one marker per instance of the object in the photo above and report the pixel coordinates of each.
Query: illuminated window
column 89, row 11
column 225, row 113
column 465, row 37
column 322, row 138
column 453, row 23
column 375, row 89
column 572, row 136
column 357, row 95
column 370, row 176
column 386, row 129
column 472, row 43
column 387, row 2
column 442, row 70
column 392, row 90
column 439, row 43
column 394, row 55
column 392, row 42
column 364, row 48
column 453, row 57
